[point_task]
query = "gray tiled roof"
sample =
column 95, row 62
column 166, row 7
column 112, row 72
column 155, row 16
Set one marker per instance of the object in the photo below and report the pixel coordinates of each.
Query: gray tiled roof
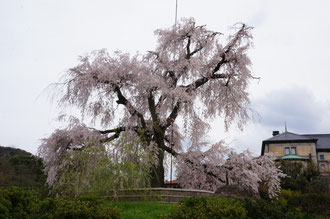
column 323, row 140
column 288, row 136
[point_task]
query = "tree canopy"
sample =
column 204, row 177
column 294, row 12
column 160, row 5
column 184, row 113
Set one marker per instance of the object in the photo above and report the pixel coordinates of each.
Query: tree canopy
column 20, row 168
column 303, row 177
column 193, row 73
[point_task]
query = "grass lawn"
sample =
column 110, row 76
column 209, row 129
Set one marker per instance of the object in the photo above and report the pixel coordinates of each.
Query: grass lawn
column 147, row 210
column 143, row 210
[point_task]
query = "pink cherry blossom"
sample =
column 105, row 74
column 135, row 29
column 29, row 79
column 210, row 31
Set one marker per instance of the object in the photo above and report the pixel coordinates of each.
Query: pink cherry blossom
column 193, row 73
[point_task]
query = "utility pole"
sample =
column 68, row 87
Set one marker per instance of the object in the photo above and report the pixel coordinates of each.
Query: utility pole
column 171, row 169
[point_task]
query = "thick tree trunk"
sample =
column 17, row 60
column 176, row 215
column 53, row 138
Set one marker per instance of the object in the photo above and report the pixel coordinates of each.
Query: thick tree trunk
column 157, row 172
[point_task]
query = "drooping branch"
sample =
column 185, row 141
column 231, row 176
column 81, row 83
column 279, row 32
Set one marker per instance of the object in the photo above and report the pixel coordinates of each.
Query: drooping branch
column 195, row 51
column 160, row 100
column 205, row 169
column 122, row 100
column 190, row 54
column 201, row 81
column 170, row 150
column 191, row 87
column 229, row 47
column 171, row 118
column 188, row 47
column 109, row 139
column 220, row 63
column 116, row 130
column 174, row 80
column 152, row 107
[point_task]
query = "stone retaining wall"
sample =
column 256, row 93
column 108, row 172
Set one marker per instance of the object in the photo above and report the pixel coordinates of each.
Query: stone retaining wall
column 165, row 195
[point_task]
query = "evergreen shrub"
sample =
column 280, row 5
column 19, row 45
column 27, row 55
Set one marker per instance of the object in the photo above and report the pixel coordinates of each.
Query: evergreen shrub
column 314, row 204
column 18, row 202
column 206, row 207
column 268, row 209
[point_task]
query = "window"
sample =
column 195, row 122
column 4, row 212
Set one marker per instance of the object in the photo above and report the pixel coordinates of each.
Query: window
column 322, row 166
column 290, row 150
column 321, row 157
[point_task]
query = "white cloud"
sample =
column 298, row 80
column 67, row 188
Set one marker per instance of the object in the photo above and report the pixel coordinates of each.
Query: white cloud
column 297, row 106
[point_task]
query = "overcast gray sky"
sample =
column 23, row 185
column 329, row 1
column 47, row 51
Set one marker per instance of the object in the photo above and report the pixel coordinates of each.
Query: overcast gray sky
column 39, row 40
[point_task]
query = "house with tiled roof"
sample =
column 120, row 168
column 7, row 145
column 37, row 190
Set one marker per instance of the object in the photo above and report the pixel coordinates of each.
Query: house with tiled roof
column 306, row 147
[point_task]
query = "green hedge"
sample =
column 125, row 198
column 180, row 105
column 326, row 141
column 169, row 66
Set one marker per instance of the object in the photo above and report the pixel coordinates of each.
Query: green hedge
column 314, row 204
column 204, row 207
column 269, row 209
column 18, row 202
column 76, row 208
column 289, row 205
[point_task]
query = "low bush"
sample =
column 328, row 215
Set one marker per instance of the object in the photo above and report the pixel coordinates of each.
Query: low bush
column 75, row 208
column 314, row 204
column 143, row 210
column 286, row 195
column 203, row 207
column 5, row 207
column 19, row 202
column 261, row 208
column 25, row 203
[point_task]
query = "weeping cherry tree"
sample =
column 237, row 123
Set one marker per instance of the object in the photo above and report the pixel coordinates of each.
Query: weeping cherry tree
column 193, row 75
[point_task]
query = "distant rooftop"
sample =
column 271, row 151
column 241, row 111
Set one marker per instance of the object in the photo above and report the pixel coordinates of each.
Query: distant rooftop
column 322, row 140
column 289, row 136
